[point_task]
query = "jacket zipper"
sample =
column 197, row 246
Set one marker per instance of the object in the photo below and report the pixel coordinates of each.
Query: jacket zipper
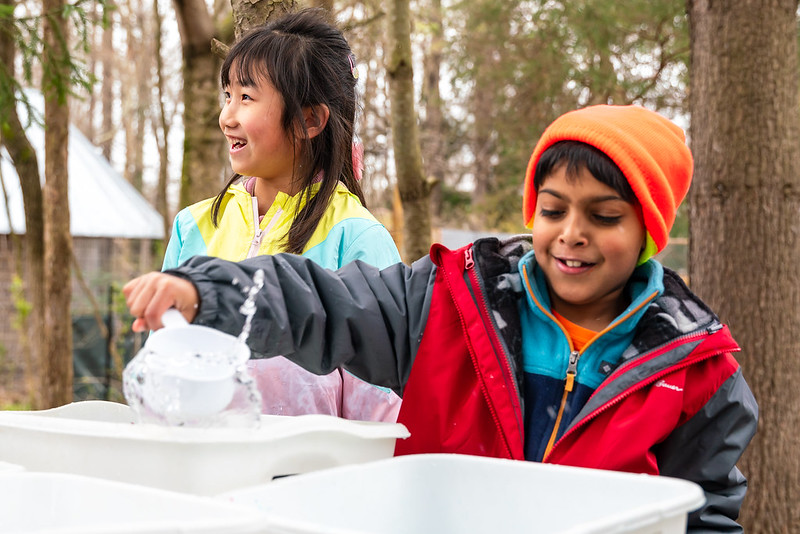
column 572, row 370
column 469, row 263
column 258, row 235
column 616, row 400
column 574, row 356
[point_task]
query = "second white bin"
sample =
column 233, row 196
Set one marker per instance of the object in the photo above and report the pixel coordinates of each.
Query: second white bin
column 58, row 503
column 449, row 494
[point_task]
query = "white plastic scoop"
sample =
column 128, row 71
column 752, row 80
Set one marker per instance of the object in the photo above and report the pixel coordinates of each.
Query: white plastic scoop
column 184, row 371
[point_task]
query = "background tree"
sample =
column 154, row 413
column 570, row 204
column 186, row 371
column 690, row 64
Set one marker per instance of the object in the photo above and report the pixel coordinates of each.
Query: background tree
column 414, row 187
column 42, row 42
column 23, row 155
column 56, row 370
column 162, row 124
column 135, row 95
column 744, row 248
column 516, row 66
column 434, row 128
column 107, row 59
column 203, row 156
column 248, row 14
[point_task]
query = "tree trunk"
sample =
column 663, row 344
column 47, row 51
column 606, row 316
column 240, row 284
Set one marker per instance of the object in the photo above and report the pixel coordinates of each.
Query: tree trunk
column 482, row 100
column 138, row 69
column 203, row 154
column 433, row 132
column 327, row 5
column 415, row 190
column 248, row 14
column 744, row 248
column 23, row 156
column 56, row 377
column 107, row 85
column 161, row 124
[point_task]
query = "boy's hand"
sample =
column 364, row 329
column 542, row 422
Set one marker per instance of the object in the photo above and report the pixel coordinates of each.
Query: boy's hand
column 150, row 295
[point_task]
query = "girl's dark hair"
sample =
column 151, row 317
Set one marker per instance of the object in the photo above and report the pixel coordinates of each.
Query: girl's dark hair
column 578, row 155
column 309, row 62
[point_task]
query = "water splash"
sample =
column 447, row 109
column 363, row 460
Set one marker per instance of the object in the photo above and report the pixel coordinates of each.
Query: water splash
column 171, row 382
column 248, row 308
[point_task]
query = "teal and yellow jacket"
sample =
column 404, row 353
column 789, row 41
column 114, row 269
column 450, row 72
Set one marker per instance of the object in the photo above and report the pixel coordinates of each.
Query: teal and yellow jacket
column 347, row 231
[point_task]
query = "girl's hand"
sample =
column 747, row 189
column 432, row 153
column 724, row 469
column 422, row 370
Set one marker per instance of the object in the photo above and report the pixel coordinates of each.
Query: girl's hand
column 150, row 295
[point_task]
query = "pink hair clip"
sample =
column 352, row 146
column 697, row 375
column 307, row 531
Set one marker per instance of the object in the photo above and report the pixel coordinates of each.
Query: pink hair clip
column 353, row 70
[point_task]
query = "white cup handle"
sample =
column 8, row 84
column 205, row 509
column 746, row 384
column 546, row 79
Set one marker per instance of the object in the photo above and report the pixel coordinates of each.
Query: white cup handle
column 173, row 318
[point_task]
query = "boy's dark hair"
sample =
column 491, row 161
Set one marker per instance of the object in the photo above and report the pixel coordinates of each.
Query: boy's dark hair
column 309, row 62
column 577, row 155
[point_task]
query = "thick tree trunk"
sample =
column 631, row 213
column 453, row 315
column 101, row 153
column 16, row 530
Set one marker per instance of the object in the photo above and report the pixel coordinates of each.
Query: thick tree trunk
column 327, row 5
column 56, row 377
column 203, row 144
column 23, row 155
column 744, row 248
column 415, row 190
column 248, row 14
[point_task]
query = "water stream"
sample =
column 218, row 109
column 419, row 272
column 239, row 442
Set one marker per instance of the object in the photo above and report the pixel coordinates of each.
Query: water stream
column 195, row 376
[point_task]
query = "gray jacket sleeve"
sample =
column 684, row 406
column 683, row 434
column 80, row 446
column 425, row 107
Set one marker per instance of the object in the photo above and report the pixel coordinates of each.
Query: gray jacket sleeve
column 361, row 318
column 696, row 452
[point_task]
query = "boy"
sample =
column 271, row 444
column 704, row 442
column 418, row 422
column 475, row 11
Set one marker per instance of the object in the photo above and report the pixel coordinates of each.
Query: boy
column 573, row 348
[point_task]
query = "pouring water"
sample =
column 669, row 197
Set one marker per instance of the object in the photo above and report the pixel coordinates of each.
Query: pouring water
column 191, row 375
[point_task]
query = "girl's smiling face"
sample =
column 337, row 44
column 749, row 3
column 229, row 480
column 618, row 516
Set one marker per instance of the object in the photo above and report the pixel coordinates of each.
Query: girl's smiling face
column 251, row 119
column 587, row 241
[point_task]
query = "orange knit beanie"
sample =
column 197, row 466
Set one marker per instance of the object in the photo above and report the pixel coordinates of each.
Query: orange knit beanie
column 650, row 151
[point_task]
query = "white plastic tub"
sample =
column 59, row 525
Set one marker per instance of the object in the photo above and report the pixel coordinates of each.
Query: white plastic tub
column 58, row 503
column 6, row 467
column 443, row 494
column 97, row 438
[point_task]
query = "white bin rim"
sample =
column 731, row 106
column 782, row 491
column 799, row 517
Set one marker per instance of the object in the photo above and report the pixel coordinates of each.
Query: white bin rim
column 62, row 503
column 482, row 492
column 110, row 419
column 99, row 439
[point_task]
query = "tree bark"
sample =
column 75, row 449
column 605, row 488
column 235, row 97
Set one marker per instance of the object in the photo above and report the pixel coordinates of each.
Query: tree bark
column 744, row 248
column 415, row 190
column 203, row 155
column 433, row 133
column 56, row 385
column 23, row 155
column 140, row 63
column 327, row 5
column 162, row 124
column 107, row 86
column 248, row 14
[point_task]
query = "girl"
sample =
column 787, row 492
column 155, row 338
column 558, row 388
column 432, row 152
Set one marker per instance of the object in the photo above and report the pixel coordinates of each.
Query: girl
column 288, row 116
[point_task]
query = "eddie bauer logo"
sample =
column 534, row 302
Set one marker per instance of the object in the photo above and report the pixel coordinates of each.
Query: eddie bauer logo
column 662, row 384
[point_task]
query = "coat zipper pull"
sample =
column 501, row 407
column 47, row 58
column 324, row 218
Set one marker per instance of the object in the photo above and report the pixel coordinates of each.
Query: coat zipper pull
column 469, row 262
column 572, row 369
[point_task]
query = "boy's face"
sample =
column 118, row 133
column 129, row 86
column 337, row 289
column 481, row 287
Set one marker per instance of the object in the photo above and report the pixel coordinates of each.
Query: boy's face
column 587, row 241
